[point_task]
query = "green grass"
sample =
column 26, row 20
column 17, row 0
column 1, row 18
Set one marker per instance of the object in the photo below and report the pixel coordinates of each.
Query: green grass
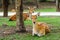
column 6, row 21
column 50, row 20
column 45, row 10
column 55, row 21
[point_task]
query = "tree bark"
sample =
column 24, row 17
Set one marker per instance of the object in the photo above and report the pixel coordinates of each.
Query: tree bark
column 19, row 13
column 57, row 5
column 37, row 4
column 5, row 7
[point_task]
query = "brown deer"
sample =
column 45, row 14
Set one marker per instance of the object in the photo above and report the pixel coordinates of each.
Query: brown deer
column 39, row 28
column 25, row 15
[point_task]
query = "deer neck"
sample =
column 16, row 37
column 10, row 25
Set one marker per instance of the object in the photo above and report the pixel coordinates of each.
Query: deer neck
column 30, row 14
column 34, row 24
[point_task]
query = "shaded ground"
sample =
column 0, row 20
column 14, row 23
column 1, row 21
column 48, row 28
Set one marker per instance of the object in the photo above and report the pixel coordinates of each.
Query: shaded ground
column 5, row 30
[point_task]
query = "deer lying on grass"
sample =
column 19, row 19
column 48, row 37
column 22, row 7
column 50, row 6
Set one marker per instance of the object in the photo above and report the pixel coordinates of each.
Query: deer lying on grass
column 25, row 15
column 13, row 18
column 39, row 28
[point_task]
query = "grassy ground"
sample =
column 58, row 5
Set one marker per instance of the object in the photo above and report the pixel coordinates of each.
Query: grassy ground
column 46, row 10
column 54, row 35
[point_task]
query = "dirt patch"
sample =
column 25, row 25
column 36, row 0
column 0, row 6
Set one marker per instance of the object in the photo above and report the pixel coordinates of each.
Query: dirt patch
column 7, row 31
column 4, row 31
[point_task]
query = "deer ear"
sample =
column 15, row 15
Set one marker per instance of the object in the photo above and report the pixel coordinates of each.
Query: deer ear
column 28, row 7
column 35, row 7
column 38, row 13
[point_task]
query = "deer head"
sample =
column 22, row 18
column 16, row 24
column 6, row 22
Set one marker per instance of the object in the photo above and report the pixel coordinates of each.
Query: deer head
column 31, row 9
column 33, row 18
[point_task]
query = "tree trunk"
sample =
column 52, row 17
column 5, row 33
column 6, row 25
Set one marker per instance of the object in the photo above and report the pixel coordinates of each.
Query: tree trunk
column 5, row 7
column 19, row 13
column 57, row 5
column 37, row 4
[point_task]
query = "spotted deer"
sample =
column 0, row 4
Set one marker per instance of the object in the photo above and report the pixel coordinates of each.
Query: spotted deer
column 39, row 28
column 25, row 15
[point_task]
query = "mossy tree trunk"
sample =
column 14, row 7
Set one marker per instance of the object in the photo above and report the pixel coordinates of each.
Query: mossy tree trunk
column 19, row 13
